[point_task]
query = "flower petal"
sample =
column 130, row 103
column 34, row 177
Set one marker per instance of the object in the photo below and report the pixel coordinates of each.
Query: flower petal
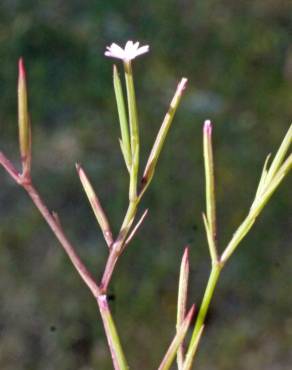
column 142, row 50
column 130, row 51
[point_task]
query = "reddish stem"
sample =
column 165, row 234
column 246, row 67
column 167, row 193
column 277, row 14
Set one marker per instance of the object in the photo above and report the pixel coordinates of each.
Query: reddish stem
column 8, row 166
column 68, row 247
column 54, row 224
column 109, row 269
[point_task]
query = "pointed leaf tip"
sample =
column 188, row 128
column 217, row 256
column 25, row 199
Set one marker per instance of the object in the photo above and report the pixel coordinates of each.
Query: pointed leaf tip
column 186, row 254
column 208, row 127
column 21, row 68
column 191, row 312
column 95, row 205
column 182, row 85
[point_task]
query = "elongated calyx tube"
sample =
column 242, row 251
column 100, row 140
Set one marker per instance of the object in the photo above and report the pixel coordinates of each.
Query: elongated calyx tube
column 23, row 121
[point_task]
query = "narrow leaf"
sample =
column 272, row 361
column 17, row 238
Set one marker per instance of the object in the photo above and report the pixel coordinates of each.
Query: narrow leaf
column 279, row 157
column 178, row 339
column 161, row 136
column 209, row 178
column 132, row 106
column 124, row 155
column 136, row 227
column 126, row 149
column 263, row 177
column 96, row 206
column 182, row 300
column 272, row 181
column 273, row 185
column 248, row 222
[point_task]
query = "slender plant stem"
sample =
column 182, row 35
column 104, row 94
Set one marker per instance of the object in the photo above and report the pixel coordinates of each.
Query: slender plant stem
column 193, row 349
column 9, row 168
column 54, row 223
column 129, row 217
column 209, row 291
column 210, row 182
column 56, row 227
column 134, row 130
column 118, row 357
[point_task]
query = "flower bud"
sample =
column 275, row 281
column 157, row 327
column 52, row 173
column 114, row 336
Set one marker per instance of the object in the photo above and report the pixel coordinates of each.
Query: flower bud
column 23, row 121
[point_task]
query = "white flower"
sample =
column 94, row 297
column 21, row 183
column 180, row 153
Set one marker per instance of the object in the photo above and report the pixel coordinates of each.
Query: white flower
column 131, row 51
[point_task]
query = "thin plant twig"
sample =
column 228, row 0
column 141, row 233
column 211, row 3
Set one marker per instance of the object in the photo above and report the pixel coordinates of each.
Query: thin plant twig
column 118, row 357
column 54, row 224
column 182, row 301
column 193, row 349
column 210, row 222
column 136, row 227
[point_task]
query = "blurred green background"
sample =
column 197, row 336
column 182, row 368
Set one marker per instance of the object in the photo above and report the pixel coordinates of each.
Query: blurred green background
column 238, row 58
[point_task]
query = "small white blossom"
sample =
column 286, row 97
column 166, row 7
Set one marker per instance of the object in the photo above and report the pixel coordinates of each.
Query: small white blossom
column 131, row 51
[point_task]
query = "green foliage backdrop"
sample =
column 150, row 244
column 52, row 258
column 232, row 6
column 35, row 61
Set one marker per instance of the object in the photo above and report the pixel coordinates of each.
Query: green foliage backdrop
column 238, row 58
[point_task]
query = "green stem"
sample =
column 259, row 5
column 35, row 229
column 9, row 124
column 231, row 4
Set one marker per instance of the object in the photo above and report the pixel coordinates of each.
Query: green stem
column 129, row 218
column 210, row 180
column 212, row 282
column 118, row 357
column 134, row 129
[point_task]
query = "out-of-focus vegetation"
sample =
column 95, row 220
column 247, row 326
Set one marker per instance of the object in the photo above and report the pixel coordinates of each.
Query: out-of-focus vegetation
column 238, row 58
